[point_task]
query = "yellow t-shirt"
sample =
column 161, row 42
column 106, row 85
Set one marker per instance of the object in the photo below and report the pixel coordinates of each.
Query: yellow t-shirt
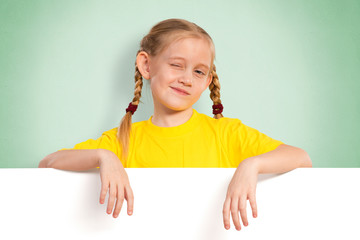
column 201, row 142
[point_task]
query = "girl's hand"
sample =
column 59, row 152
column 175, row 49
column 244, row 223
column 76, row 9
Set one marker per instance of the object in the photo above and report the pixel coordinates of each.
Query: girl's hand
column 115, row 179
column 241, row 188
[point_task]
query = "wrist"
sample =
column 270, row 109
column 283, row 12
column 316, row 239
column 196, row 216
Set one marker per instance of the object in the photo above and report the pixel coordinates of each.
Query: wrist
column 251, row 162
column 106, row 155
column 101, row 155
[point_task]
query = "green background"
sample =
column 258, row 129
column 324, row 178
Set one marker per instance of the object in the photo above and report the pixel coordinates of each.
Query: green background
column 287, row 68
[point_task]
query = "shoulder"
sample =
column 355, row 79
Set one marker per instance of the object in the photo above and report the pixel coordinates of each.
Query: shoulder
column 138, row 124
column 134, row 126
column 224, row 122
column 111, row 133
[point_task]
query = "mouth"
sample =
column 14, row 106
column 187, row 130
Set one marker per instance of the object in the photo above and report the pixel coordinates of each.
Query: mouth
column 180, row 91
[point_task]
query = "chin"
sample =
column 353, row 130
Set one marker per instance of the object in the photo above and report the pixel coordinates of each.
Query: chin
column 177, row 106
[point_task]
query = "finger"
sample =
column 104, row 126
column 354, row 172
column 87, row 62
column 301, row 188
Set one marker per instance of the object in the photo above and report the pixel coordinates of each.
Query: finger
column 112, row 194
column 253, row 205
column 130, row 199
column 226, row 213
column 104, row 188
column 119, row 201
column 234, row 209
column 242, row 207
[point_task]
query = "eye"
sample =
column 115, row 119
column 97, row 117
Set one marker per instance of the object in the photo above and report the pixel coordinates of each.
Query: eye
column 200, row 72
column 175, row 65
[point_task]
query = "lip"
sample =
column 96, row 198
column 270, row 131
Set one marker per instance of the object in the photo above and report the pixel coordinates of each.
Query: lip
column 180, row 91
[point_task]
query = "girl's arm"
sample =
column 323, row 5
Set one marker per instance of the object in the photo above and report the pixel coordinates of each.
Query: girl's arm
column 74, row 159
column 283, row 159
column 243, row 184
column 114, row 178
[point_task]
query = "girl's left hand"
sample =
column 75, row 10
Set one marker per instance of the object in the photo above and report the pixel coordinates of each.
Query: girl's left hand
column 241, row 188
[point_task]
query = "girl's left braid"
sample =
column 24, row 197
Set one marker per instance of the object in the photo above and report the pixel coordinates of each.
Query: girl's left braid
column 215, row 94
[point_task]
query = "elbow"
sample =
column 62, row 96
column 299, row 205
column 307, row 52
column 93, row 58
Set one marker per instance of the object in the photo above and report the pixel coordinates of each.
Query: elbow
column 303, row 158
column 43, row 163
column 46, row 162
column 306, row 160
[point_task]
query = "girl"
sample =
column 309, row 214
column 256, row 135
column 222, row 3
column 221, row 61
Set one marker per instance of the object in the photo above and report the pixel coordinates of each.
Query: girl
column 177, row 58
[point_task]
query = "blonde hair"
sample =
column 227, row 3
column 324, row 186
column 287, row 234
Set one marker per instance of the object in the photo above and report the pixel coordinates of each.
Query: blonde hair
column 158, row 39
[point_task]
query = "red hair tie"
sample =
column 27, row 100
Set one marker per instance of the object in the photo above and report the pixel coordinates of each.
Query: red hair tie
column 217, row 109
column 131, row 108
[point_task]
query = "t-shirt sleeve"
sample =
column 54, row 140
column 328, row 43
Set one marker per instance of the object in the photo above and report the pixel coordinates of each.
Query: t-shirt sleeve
column 107, row 140
column 244, row 142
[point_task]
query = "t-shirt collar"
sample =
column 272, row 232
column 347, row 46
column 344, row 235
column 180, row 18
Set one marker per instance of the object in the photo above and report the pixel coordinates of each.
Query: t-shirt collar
column 176, row 131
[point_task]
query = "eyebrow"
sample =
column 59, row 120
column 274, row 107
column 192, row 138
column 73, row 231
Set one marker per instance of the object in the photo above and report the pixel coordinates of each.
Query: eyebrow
column 201, row 64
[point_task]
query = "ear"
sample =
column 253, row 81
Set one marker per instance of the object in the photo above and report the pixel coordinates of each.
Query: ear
column 143, row 64
column 208, row 80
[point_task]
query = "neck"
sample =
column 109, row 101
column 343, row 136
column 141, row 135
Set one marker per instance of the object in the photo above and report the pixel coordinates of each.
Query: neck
column 170, row 118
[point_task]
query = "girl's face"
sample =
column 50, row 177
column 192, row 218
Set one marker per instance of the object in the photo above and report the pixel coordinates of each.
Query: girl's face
column 180, row 74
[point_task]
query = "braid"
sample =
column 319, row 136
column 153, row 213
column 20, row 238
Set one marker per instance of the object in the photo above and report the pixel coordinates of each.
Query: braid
column 138, row 86
column 215, row 91
column 124, row 129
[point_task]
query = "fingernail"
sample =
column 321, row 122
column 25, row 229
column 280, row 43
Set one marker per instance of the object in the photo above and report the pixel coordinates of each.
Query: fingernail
column 227, row 226
column 130, row 213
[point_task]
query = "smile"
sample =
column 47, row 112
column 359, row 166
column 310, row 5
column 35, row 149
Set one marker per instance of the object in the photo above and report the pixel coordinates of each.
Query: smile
column 180, row 91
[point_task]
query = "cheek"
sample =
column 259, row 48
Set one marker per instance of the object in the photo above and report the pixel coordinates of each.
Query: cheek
column 171, row 76
column 165, row 77
column 158, row 86
column 154, row 86
column 201, row 86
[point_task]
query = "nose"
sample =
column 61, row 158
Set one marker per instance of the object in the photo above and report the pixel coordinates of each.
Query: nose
column 186, row 78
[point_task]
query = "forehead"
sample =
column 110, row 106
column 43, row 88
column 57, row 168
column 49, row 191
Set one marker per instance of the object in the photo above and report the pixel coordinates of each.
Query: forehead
column 191, row 49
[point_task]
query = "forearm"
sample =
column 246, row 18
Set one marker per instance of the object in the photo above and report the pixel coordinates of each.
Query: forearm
column 74, row 159
column 283, row 159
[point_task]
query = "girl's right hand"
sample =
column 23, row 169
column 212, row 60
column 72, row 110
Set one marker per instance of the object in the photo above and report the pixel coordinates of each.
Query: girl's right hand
column 115, row 179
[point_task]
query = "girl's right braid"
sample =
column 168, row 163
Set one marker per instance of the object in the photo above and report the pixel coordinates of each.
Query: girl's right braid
column 138, row 86
column 124, row 129
column 215, row 94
